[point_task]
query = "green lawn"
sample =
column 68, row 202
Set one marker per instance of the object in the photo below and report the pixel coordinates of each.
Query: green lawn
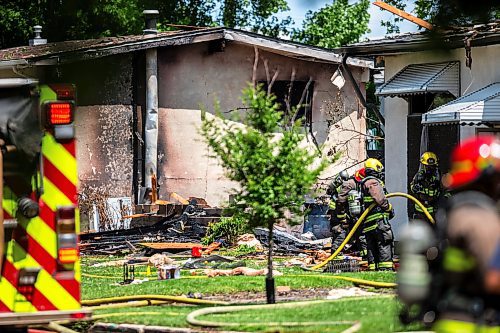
column 377, row 313
column 107, row 284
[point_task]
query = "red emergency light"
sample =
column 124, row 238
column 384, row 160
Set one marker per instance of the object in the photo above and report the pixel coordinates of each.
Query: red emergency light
column 59, row 113
column 67, row 249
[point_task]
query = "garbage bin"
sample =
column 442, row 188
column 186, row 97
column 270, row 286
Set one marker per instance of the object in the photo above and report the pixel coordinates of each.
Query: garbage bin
column 317, row 220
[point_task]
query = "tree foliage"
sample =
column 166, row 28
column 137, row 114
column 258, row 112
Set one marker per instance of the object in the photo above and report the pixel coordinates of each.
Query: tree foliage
column 258, row 16
column 67, row 19
column 336, row 24
column 82, row 19
column 273, row 171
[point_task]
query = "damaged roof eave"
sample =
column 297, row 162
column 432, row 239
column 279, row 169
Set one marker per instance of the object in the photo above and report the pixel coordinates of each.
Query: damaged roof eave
column 291, row 49
column 415, row 42
column 275, row 45
column 126, row 47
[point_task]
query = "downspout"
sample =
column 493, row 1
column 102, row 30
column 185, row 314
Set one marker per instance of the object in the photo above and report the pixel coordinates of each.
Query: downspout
column 151, row 121
column 360, row 95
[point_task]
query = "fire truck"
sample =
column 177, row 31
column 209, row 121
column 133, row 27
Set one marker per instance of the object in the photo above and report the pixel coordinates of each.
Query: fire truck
column 39, row 222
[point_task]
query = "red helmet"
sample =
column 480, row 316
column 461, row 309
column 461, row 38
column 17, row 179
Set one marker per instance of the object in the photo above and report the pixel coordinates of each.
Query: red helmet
column 472, row 159
column 360, row 174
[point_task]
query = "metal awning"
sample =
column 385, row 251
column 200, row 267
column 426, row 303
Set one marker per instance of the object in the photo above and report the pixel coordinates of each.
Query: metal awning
column 423, row 78
column 479, row 107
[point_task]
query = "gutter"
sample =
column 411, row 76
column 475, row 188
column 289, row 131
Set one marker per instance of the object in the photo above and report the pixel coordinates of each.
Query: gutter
column 12, row 63
column 17, row 82
column 361, row 97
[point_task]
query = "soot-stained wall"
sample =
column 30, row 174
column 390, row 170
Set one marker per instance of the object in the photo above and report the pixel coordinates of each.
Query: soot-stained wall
column 103, row 122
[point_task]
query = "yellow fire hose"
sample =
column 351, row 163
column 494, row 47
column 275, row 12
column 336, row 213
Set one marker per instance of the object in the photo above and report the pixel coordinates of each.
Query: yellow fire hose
column 135, row 304
column 55, row 326
column 362, row 218
column 192, row 317
column 176, row 299
column 356, row 281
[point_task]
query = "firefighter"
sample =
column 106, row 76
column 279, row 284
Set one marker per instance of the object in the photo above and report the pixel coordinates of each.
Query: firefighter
column 469, row 233
column 349, row 209
column 376, row 227
column 426, row 185
column 334, row 187
column 333, row 192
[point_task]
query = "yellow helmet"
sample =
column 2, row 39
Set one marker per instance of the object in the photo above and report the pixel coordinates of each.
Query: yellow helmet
column 374, row 164
column 429, row 158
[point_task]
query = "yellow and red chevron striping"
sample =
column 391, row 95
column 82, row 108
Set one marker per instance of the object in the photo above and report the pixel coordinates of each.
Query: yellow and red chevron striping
column 56, row 177
column 3, row 307
column 62, row 156
column 34, row 241
column 47, row 215
column 37, row 251
column 31, row 295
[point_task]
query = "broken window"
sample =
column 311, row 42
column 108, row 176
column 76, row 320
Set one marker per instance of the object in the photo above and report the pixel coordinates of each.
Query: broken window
column 289, row 95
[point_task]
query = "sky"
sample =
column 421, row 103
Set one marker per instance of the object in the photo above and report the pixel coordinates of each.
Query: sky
column 299, row 8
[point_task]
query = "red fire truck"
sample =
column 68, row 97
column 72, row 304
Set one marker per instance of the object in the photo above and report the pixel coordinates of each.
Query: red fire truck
column 40, row 271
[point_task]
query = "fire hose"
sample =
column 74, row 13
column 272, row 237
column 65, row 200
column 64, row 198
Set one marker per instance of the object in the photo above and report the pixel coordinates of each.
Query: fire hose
column 192, row 317
column 175, row 299
column 362, row 218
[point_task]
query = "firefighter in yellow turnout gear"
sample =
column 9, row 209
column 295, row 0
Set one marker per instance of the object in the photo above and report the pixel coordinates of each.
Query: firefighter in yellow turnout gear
column 376, row 227
column 426, row 185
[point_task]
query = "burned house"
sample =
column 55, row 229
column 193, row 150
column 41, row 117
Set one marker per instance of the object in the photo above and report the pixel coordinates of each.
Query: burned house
column 140, row 99
column 439, row 89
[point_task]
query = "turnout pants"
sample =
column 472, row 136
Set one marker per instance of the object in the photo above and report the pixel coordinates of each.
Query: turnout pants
column 379, row 243
column 358, row 241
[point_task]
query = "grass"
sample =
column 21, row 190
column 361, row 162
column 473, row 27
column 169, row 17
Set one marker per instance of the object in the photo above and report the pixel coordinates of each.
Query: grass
column 94, row 287
column 377, row 314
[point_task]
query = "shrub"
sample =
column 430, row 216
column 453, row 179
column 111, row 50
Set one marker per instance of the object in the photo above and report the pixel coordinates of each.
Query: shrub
column 228, row 228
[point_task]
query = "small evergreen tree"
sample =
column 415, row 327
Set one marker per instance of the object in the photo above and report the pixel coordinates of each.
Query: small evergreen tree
column 273, row 172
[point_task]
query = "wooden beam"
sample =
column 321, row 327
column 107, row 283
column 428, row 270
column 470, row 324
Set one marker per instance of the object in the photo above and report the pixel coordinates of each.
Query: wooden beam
column 405, row 15
column 179, row 198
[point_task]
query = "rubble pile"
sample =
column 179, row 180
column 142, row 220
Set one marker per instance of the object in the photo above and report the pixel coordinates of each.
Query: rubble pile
column 162, row 222
column 285, row 243
column 186, row 228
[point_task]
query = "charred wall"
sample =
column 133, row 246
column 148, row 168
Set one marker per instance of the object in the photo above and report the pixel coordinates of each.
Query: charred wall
column 103, row 122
